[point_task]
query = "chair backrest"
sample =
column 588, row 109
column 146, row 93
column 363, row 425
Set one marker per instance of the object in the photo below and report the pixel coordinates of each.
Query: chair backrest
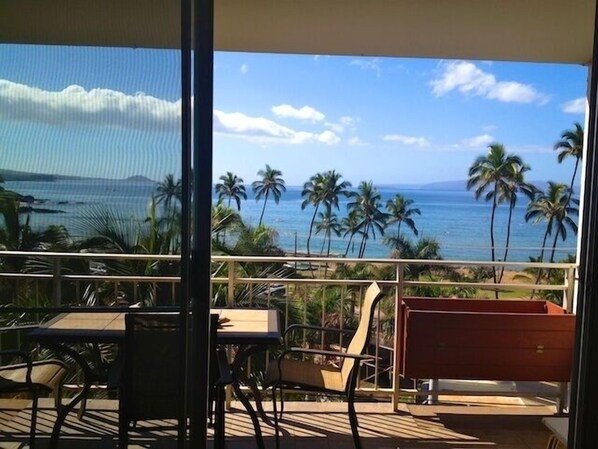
column 361, row 338
column 151, row 381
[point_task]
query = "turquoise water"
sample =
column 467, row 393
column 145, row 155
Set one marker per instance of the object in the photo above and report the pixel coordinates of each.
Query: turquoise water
column 453, row 217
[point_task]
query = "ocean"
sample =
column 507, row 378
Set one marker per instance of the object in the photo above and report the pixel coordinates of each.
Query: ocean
column 453, row 217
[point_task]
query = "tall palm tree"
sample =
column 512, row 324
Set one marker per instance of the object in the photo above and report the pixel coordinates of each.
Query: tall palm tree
column 488, row 174
column 366, row 201
column 514, row 185
column 323, row 189
column 399, row 211
column 329, row 224
column 553, row 208
column 271, row 183
column 313, row 193
column 571, row 145
column 350, row 224
column 168, row 191
column 231, row 187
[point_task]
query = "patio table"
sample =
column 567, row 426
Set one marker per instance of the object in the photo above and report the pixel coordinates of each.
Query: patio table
column 250, row 329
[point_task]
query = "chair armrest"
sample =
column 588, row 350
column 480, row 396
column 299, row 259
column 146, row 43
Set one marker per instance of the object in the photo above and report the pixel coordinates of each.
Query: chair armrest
column 293, row 327
column 327, row 353
column 26, row 358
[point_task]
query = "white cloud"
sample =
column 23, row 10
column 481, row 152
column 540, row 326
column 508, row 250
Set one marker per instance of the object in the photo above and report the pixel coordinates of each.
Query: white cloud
column 343, row 123
column 356, row 142
column 96, row 107
column 303, row 113
column 104, row 107
column 468, row 79
column 264, row 131
column 577, row 106
column 407, row 140
column 244, row 69
column 368, row 64
column 477, row 141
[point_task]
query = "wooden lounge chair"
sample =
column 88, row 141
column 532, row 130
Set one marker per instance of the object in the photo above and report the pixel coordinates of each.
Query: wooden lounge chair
column 36, row 378
column 287, row 373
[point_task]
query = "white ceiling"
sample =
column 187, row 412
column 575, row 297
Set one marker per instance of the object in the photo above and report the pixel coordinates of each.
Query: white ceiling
column 518, row 30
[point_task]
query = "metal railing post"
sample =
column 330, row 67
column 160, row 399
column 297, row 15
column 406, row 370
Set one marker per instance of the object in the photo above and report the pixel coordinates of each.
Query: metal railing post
column 569, row 292
column 56, row 281
column 398, row 328
column 230, row 294
column 230, row 302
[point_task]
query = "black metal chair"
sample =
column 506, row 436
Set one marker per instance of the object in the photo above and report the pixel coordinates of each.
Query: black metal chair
column 150, row 386
column 287, row 373
column 34, row 377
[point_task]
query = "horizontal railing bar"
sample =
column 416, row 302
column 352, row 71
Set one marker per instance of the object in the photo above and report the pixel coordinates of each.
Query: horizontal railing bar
column 479, row 393
column 117, row 278
column 26, row 275
column 89, row 309
column 259, row 259
column 65, row 255
column 483, row 285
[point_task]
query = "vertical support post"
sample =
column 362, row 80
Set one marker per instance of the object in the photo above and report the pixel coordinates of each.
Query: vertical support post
column 230, row 302
column 56, row 281
column 396, row 366
column 583, row 432
column 569, row 292
column 230, row 294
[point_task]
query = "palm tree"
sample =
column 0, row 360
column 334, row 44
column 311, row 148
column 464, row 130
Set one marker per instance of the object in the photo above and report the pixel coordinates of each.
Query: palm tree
column 350, row 224
column 329, row 224
column 571, row 145
column 424, row 248
column 231, row 187
column 323, row 188
column 400, row 212
column 271, row 183
column 366, row 201
column 488, row 174
column 313, row 193
column 168, row 191
column 508, row 191
column 553, row 208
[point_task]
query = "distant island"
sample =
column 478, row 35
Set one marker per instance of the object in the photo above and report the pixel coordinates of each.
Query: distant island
column 14, row 175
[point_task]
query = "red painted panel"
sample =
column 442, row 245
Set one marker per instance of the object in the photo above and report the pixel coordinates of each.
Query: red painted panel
column 493, row 340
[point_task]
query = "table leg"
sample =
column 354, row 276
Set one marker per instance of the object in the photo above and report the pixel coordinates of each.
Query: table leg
column 238, row 378
column 88, row 379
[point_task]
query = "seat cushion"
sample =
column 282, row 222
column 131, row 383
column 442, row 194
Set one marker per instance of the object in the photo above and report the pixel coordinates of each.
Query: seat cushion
column 46, row 374
column 306, row 375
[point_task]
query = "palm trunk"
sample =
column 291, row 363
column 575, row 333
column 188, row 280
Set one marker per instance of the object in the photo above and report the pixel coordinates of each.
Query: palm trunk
column 327, row 254
column 323, row 244
column 572, row 182
column 541, row 259
column 556, row 237
column 349, row 244
column 364, row 241
column 224, row 231
column 502, row 270
column 398, row 236
column 311, row 226
column 493, row 252
column 263, row 210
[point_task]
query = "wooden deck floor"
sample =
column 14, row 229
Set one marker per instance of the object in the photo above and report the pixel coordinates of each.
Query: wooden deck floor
column 307, row 426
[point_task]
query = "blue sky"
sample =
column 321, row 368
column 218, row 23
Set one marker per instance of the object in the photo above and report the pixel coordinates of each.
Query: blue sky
column 116, row 112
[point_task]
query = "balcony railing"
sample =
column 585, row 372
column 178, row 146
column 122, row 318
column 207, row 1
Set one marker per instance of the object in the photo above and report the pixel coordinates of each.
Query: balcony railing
column 303, row 289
